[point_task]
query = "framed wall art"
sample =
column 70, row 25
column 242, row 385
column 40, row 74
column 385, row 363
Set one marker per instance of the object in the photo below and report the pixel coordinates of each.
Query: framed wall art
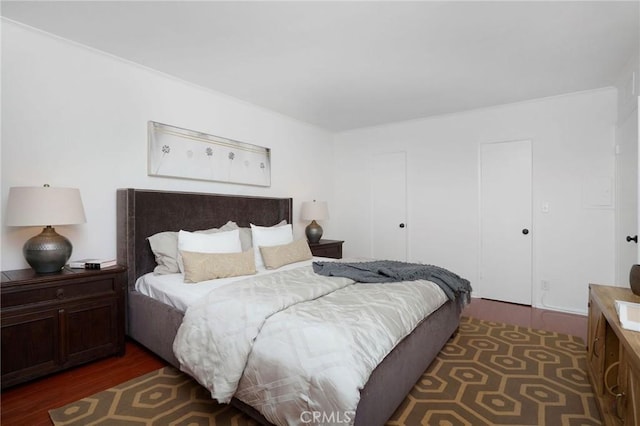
column 188, row 154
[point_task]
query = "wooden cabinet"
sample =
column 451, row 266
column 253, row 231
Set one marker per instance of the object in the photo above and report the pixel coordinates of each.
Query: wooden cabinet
column 56, row 321
column 613, row 357
column 327, row 248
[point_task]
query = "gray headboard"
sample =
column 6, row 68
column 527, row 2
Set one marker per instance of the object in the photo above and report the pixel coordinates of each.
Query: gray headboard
column 142, row 213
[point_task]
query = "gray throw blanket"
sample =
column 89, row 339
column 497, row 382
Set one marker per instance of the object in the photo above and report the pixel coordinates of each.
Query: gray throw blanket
column 384, row 271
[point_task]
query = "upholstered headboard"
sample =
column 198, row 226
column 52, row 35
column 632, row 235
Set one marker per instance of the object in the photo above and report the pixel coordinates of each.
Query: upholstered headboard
column 142, row 213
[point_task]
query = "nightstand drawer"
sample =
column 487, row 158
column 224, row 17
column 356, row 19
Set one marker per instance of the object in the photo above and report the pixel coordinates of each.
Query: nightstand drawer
column 34, row 294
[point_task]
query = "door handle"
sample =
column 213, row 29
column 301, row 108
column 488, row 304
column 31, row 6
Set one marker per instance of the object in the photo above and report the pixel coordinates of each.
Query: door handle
column 525, row 231
column 634, row 239
column 401, row 225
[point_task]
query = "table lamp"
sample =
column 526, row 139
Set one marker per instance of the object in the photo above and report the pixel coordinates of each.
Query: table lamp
column 48, row 251
column 314, row 210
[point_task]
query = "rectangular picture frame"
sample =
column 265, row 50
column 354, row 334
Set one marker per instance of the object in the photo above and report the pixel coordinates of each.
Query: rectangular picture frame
column 189, row 154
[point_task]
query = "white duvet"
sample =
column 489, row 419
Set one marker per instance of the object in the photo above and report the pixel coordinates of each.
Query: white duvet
column 294, row 343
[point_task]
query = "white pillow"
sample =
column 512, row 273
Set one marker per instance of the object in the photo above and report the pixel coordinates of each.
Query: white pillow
column 219, row 242
column 264, row 236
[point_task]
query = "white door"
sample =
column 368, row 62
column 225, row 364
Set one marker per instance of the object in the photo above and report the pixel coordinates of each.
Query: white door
column 389, row 206
column 627, row 198
column 505, row 221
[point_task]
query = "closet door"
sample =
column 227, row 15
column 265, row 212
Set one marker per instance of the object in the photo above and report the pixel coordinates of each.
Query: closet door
column 389, row 206
column 505, row 222
column 626, row 197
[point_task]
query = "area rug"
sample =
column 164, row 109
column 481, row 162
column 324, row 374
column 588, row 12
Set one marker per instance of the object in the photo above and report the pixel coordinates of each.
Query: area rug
column 488, row 374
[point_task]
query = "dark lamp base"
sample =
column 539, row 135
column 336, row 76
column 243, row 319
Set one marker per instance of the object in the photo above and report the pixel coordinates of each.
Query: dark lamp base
column 47, row 252
column 313, row 232
column 634, row 279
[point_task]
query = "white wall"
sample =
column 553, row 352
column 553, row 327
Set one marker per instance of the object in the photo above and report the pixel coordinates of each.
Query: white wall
column 573, row 148
column 628, row 85
column 75, row 117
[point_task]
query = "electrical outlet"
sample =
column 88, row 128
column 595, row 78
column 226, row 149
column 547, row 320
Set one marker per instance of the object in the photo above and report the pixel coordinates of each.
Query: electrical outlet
column 544, row 284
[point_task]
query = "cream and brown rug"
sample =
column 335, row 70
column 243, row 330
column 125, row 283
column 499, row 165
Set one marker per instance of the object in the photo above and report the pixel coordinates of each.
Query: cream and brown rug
column 488, row 374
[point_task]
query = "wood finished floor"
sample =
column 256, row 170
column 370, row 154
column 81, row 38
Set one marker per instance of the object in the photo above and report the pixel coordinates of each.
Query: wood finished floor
column 28, row 404
column 526, row 316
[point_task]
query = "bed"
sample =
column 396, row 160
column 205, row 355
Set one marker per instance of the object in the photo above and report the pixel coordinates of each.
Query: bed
column 154, row 324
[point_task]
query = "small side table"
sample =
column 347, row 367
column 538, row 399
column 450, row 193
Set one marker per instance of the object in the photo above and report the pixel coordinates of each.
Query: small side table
column 56, row 321
column 327, row 248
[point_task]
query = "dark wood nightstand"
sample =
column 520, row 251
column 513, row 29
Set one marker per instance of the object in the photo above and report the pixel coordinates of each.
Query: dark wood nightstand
column 327, row 248
column 55, row 321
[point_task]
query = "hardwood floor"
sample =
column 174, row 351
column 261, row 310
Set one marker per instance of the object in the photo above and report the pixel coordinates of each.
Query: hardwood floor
column 28, row 404
column 526, row 316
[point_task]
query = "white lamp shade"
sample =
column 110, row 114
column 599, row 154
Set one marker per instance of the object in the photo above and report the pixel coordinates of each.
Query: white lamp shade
column 314, row 210
column 44, row 206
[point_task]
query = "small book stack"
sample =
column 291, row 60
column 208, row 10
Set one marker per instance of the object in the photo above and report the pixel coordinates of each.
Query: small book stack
column 92, row 263
column 629, row 314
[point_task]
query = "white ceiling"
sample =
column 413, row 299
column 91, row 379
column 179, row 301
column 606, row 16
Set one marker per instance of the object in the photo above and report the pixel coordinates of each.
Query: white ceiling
column 345, row 65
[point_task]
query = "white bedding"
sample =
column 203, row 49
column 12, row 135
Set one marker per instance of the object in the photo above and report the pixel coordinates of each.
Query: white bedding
column 291, row 342
column 171, row 289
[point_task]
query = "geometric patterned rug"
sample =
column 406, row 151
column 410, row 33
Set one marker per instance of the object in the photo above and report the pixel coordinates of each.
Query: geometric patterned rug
column 498, row 374
column 488, row 374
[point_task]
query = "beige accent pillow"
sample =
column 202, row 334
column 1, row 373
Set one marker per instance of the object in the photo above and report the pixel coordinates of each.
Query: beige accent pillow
column 209, row 266
column 277, row 256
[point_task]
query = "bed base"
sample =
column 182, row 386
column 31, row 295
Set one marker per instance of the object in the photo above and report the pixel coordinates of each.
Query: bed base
column 156, row 335
column 396, row 375
column 388, row 384
column 141, row 213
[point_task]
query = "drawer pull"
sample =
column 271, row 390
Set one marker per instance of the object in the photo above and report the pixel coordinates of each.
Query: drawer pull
column 60, row 293
column 595, row 347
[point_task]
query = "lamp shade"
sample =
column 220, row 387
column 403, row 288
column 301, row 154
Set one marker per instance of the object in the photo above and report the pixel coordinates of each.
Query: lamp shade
column 314, row 210
column 48, row 251
column 44, row 206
